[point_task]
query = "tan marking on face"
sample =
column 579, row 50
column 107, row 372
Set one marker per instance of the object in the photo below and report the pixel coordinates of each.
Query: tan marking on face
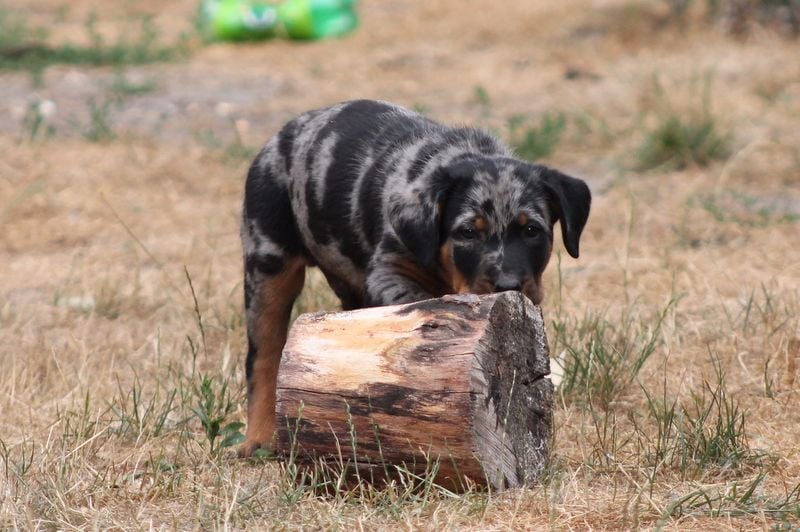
column 458, row 283
column 522, row 219
column 275, row 301
column 480, row 223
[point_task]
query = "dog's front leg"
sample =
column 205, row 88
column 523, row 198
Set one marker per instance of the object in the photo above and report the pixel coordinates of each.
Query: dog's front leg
column 393, row 279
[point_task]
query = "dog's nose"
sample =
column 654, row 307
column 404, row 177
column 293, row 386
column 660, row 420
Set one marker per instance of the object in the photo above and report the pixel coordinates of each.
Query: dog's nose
column 507, row 282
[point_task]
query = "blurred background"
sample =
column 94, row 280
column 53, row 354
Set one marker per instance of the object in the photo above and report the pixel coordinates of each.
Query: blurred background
column 126, row 131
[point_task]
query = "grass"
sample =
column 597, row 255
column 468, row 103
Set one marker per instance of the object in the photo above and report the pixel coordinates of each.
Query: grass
column 537, row 141
column 679, row 142
column 734, row 207
column 34, row 123
column 705, row 431
column 738, row 500
column 121, row 327
column 25, row 48
column 99, row 128
column 681, row 138
column 599, row 358
column 122, row 87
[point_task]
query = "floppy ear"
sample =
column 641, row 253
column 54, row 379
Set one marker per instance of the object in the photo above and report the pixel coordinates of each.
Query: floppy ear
column 415, row 214
column 570, row 199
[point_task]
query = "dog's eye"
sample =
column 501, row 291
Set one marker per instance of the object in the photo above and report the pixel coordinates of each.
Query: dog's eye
column 530, row 231
column 467, row 233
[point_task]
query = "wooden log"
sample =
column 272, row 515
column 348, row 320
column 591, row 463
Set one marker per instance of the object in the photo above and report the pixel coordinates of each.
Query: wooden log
column 461, row 381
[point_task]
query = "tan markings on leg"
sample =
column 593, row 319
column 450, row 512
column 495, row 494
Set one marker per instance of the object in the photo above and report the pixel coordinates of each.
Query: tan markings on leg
column 458, row 283
column 276, row 297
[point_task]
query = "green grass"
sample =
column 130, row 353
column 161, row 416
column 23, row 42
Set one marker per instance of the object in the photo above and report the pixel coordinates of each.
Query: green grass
column 532, row 142
column 122, row 87
column 738, row 499
column 34, row 124
column 600, row 358
column 99, row 128
column 746, row 210
column 706, row 431
column 25, row 48
column 678, row 142
column 683, row 138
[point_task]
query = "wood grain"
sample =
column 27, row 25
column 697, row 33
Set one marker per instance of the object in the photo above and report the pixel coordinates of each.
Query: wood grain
column 460, row 381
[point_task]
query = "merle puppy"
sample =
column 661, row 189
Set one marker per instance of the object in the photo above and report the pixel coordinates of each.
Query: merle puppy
column 393, row 208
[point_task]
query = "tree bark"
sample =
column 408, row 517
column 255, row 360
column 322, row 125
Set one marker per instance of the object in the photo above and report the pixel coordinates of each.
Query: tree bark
column 456, row 388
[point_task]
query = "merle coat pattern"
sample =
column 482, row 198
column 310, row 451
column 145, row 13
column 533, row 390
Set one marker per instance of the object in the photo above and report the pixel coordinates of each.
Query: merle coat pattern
column 393, row 208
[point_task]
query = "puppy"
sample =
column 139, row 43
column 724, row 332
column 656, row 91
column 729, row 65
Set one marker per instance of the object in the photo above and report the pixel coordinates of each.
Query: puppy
column 393, row 208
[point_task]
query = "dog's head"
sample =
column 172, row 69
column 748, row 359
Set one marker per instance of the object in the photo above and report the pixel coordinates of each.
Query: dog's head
column 486, row 223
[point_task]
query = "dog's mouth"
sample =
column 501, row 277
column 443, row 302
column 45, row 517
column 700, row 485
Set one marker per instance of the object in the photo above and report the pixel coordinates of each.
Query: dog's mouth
column 530, row 288
column 482, row 286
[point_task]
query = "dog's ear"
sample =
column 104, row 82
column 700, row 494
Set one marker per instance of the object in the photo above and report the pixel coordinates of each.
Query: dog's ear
column 415, row 214
column 570, row 200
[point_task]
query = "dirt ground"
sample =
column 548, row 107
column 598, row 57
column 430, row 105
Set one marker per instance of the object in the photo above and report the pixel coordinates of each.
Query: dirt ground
column 131, row 184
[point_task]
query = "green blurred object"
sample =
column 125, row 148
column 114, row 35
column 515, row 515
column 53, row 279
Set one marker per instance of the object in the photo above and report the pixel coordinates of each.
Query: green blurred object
column 317, row 19
column 242, row 20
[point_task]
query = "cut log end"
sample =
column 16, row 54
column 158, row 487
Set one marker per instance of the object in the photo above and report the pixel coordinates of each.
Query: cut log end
column 460, row 382
column 513, row 414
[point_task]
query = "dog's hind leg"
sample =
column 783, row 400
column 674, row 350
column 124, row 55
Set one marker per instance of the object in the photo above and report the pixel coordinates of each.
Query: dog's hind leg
column 270, row 291
column 274, row 271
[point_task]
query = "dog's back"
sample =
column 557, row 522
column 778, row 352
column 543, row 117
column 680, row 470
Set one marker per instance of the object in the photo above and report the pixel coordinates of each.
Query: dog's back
column 336, row 167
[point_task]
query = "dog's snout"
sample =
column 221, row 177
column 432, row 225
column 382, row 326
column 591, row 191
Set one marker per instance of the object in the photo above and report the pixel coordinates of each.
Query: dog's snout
column 507, row 282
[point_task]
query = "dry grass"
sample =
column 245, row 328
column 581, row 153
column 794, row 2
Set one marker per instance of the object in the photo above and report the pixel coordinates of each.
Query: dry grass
column 104, row 354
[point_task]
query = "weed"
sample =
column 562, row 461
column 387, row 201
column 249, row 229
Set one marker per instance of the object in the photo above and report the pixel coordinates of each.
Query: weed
column 214, row 404
column 712, row 430
column 708, row 432
column 679, row 142
column 137, row 416
column 737, row 500
column 534, row 142
column 22, row 47
column 99, row 129
column 16, row 468
column 766, row 311
column 609, row 439
column 213, row 400
column 733, row 207
column 34, row 123
column 121, row 86
column 600, row 359
column 682, row 139
column 483, row 101
column 79, row 425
